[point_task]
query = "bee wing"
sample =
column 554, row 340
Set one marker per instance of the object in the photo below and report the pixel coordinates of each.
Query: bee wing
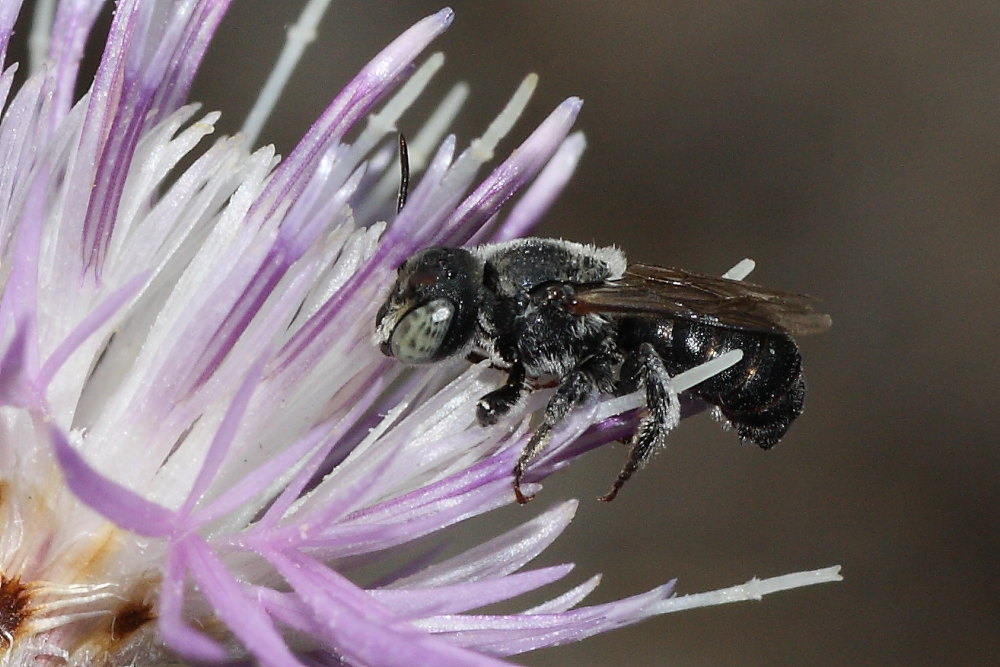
column 656, row 291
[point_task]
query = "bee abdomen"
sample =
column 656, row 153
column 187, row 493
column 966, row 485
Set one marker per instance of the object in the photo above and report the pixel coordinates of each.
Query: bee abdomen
column 765, row 426
column 762, row 394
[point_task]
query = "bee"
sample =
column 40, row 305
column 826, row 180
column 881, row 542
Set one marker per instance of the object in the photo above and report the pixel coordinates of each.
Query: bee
column 546, row 307
column 540, row 307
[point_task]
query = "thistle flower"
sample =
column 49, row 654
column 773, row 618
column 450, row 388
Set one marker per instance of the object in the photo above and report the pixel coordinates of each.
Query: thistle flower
column 202, row 453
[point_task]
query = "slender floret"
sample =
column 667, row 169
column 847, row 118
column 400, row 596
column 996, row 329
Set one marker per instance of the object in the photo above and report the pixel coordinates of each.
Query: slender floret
column 202, row 455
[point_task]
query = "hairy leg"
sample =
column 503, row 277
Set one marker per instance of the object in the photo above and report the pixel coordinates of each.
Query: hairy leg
column 580, row 385
column 664, row 413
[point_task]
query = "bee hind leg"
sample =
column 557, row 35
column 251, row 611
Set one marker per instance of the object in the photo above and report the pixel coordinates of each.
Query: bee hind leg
column 664, row 411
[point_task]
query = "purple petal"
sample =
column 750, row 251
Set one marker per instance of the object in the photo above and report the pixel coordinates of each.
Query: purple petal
column 251, row 484
column 240, row 613
column 356, row 100
column 517, row 633
column 363, row 536
column 427, row 498
column 21, row 291
column 132, row 92
column 287, row 608
column 460, row 597
column 544, row 190
column 8, row 15
column 513, row 174
column 567, row 600
column 70, row 29
column 15, row 390
column 175, row 632
column 361, row 630
column 224, row 436
column 499, row 556
column 172, row 70
column 120, row 505
column 96, row 318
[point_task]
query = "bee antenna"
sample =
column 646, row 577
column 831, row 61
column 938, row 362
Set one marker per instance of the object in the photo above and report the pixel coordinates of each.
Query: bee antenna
column 404, row 177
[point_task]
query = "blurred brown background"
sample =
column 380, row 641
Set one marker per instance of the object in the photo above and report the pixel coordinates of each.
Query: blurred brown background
column 851, row 148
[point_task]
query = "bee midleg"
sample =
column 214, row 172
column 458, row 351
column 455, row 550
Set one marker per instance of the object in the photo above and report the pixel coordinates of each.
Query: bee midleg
column 584, row 382
column 664, row 411
column 494, row 405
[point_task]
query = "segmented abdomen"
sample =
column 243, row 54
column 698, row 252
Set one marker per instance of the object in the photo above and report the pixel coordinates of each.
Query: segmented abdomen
column 762, row 394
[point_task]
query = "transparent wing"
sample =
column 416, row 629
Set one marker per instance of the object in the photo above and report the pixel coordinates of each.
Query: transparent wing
column 656, row 291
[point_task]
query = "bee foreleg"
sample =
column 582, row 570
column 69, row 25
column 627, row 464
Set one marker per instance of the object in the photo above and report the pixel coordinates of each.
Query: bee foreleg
column 664, row 412
column 578, row 386
column 498, row 403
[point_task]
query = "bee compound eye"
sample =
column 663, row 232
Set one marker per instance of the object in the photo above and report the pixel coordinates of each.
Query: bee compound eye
column 419, row 334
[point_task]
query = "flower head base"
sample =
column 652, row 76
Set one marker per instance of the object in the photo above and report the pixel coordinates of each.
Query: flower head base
column 198, row 442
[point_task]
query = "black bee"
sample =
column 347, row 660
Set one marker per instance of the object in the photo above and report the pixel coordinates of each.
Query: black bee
column 546, row 307
column 541, row 307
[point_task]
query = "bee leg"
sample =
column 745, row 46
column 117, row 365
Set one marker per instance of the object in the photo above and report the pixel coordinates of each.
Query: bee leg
column 630, row 377
column 581, row 384
column 664, row 412
column 535, row 444
column 498, row 403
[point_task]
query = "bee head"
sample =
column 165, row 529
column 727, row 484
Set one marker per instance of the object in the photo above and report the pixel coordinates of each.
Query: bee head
column 430, row 314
